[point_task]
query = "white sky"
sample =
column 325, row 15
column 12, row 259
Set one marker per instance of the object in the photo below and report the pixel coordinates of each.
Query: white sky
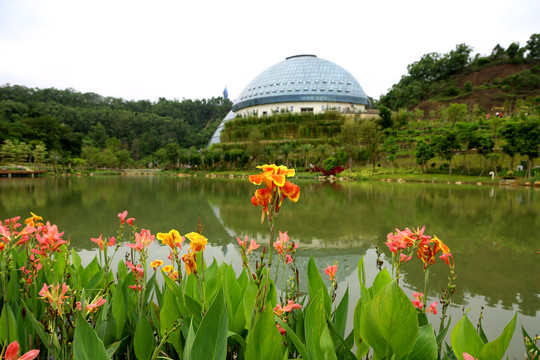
column 194, row 48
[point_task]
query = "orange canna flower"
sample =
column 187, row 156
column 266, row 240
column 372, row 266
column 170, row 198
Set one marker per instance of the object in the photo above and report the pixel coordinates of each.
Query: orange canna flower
column 167, row 268
column 331, row 271
column 190, row 262
column 156, row 263
column 12, row 353
column 172, row 238
column 92, row 307
column 98, row 241
column 34, row 220
column 291, row 191
column 197, row 241
column 291, row 305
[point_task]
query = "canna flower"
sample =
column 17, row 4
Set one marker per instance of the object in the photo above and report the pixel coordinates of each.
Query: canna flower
column 280, row 329
column 427, row 254
column 466, row 356
column 291, row 191
column 404, row 258
column 418, row 300
column 54, row 296
column 167, row 268
column 122, row 217
column 288, row 259
column 172, row 238
column 92, row 307
column 156, row 263
column 138, row 271
column 142, row 240
column 433, row 308
column 98, row 241
column 448, row 259
column 135, row 287
column 190, row 262
column 2, row 246
column 331, row 271
column 252, row 245
column 130, row 221
column 12, row 353
column 281, row 245
column 5, row 233
column 197, row 241
column 291, row 305
column 34, row 220
column 173, row 275
column 49, row 240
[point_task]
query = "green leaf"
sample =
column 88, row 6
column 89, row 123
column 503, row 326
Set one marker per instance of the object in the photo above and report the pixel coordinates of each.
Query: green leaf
column 496, row 348
column 389, row 322
column 190, row 338
column 382, row 279
column 121, row 271
column 86, row 344
column 249, row 302
column 9, row 318
column 235, row 306
column 75, row 260
column 240, row 340
column 361, row 272
column 314, row 326
column 119, row 307
column 327, row 346
column 464, row 338
column 90, row 271
column 212, row 281
column 59, row 266
column 143, row 342
column 365, row 297
column 111, row 349
column 442, row 334
column 425, row 346
column 264, row 340
column 38, row 327
column 316, row 284
column 343, row 349
column 211, row 337
column 169, row 315
column 295, row 339
column 340, row 314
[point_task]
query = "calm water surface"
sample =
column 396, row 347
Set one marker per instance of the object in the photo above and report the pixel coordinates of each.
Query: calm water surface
column 493, row 232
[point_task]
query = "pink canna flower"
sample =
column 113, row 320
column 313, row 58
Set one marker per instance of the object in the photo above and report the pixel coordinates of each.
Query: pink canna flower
column 122, row 217
column 135, row 287
column 291, row 305
column 433, row 308
column 331, row 271
column 468, row 357
column 280, row 329
column 93, row 307
column 252, row 246
column 12, row 353
column 418, row 300
column 54, row 296
column 142, row 240
column 404, row 258
column 138, row 271
column 130, row 221
column 288, row 259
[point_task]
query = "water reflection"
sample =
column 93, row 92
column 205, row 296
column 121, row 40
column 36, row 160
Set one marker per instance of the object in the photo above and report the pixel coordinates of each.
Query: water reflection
column 492, row 231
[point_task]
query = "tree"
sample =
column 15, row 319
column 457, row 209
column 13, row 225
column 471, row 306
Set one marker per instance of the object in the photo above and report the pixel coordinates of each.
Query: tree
column 350, row 138
column 467, row 87
column 483, row 143
column 533, row 46
column 370, row 135
column 510, row 134
column 514, row 51
column 529, row 141
column 391, row 148
column 423, row 153
column 385, row 117
column 455, row 112
column 446, row 146
column 497, row 52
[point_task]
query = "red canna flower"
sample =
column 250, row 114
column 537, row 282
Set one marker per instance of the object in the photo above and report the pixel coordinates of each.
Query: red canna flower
column 122, row 217
column 12, row 353
column 331, row 271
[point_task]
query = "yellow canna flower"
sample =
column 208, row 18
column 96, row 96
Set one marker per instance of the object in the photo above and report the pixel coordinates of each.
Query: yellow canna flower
column 33, row 220
column 156, row 263
column 197, row 241
column 167, row 268
column 190, row 261
column 172, row 238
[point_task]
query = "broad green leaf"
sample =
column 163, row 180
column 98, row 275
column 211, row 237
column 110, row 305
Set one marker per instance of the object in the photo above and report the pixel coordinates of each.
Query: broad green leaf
column 75, row 260
column 122, row 271
column 264, row 340
column 382, row 279
column 298, row 344
column 326, row 345
column 235, row 306
column 111, row 349
column 119, row 307
column 240, row 340
column 425, row 346
column 38, row 328
column 13, row 290
column 90, row 271
column 211, row 336
column 190, row 338
column 365, row 297
column 174, row 287
column 389, row 322
column 340, row 314
column 442, row 334
column 314, row 326
column 343, row 349
column 249, row 302
column 8, row 325
column 59, row 265
column 316, row 284
column 496, row 348
column 464, row 338
column 143, row 342
column 169, row 315
column 243, row 280
column 212, row 282
column 86, row 344
column 481, row 331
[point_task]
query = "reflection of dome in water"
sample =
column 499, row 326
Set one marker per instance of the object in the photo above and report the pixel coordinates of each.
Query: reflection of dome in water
column 301, row 83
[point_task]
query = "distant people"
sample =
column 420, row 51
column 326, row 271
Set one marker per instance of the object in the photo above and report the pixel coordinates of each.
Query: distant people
column 487, row 116
column 500, row 115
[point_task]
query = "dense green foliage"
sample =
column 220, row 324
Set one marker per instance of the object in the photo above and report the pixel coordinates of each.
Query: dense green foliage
column 71, row 125
column 433, row 75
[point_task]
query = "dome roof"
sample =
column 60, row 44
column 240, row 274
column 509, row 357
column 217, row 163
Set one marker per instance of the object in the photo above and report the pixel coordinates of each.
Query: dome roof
column 302, row 78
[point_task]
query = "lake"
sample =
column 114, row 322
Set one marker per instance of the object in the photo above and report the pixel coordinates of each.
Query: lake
column 493, row 232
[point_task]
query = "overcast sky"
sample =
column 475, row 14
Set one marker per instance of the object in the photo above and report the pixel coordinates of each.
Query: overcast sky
column 194, row 48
